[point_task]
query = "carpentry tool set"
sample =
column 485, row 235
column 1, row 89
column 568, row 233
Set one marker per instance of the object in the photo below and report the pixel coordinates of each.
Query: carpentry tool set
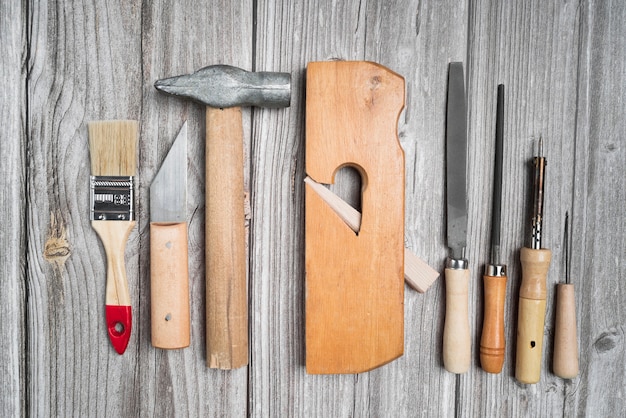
column 355, row 261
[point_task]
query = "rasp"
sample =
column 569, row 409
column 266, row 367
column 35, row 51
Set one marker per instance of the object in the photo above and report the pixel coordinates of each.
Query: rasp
column 456, row 336
column 169, row 283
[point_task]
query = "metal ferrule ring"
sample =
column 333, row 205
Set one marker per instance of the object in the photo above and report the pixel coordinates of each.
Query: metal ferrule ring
column 457, row 263
column 495, row 270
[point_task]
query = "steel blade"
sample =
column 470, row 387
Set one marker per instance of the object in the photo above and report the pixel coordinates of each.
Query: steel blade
column 168, row 191
column 456, row 156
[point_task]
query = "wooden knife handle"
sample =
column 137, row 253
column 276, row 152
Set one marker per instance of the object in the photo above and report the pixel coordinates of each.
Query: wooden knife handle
column 226, row 299
column 169, row 285
column 565, row 360
column 493, row 340
column 531, row 314
column 456, row 332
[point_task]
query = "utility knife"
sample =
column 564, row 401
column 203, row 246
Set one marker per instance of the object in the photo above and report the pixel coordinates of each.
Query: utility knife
column 169, row 282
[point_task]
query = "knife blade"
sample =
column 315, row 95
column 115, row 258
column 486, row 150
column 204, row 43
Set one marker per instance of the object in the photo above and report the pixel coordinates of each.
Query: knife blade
column 456, row 338
column 169, row 282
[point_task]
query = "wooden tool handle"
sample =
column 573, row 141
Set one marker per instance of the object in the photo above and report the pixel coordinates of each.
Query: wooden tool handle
column 493, row 340
column 114, row 235
column 565, row 360
column 456, row 333
column 169, row 285
column 226, row 300
column 531, row 314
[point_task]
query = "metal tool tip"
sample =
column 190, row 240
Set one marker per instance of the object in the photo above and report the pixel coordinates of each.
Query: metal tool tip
column 540, row 146
column 566, row 247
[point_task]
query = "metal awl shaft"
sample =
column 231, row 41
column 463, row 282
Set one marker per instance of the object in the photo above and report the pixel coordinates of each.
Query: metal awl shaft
column 538, row 193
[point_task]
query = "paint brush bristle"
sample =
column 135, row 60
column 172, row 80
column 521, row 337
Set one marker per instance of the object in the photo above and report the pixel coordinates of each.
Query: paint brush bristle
column 113, row 147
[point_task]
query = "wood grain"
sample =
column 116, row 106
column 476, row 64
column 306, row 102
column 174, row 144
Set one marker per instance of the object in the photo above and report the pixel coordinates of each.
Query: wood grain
column 13, row 148
column 226, row 292
column 354, row 281
column 169, row 285
column 65, row 63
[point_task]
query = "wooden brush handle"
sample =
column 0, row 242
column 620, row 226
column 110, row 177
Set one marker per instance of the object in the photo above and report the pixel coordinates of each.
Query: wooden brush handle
column 226, row 299
column 565, row 360
column 531, row 314
column 456, row 332
column 169, row 285
column 114, row 235
column 493, row 341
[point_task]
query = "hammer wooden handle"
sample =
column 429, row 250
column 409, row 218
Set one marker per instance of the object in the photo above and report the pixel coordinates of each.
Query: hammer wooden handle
column 456, row 333
column 169, row 285
column 565, row 360
column 226, row 299
column 531, row 314
column 492, row 340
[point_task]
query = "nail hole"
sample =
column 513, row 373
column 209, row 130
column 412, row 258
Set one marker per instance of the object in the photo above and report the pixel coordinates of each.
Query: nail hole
column 168, row 245
column 532, row 344
column 168, row 317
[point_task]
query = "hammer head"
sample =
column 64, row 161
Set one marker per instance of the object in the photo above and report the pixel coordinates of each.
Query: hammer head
column 222, row 86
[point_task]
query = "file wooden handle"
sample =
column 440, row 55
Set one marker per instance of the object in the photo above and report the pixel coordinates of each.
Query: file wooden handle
column 456, row 332
column 493, row 340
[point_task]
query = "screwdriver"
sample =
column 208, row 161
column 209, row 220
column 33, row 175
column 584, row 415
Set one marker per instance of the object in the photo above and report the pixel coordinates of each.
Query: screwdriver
column 492, row 341
column 565, row 359
column 532, row 298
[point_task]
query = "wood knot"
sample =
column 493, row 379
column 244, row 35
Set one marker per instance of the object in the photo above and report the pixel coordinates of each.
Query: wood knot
column 57, row 248
column 607, row 341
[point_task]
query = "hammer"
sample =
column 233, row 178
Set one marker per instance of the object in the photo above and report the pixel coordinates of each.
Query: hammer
column 224, row 89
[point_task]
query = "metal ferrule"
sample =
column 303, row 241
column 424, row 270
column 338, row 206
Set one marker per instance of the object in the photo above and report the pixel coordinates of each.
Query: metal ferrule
column 495, row 270
column 112, row 198
column 457, row 263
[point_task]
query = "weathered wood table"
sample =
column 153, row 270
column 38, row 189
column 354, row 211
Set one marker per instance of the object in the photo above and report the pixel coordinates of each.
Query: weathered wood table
column 66, row 63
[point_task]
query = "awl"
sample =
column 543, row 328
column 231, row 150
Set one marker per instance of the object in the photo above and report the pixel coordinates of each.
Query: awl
column 531, row 313
column 169, row 283
column 456, row 335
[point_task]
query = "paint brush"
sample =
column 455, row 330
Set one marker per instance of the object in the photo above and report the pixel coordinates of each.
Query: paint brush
column 112, row 147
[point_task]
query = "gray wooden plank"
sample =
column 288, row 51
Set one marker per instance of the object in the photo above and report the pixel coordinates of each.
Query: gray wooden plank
column 85, row 64
column 289, row 35
column 410, row 38
column 13, row 51
column 180, row 38
column 599, row 224
column 418, row 40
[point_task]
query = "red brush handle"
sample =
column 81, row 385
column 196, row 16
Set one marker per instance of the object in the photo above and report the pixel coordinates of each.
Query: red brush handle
column 119, row 323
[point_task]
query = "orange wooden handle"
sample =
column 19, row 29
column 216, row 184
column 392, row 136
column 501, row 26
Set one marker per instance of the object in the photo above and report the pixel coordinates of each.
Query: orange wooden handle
column 493, row 340
column 226, row 299
column 169, row 285
column 456, row 332
column 565, row 360
column 531, row 314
